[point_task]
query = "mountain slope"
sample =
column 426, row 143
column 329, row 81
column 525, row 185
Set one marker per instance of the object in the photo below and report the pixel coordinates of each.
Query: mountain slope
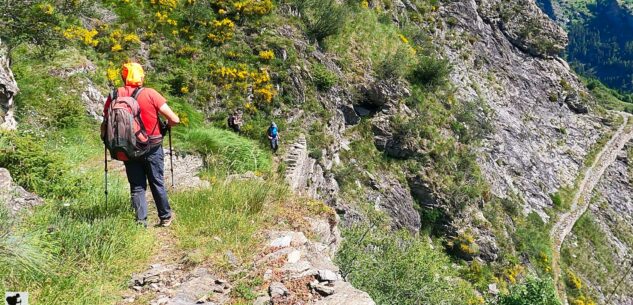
column 448, row 137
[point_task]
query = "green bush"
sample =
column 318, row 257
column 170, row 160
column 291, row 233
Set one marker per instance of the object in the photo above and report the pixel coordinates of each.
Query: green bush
column 532, row 239
column 394, row 66
column 322, row 18
column 397, row 268
column 533, row 291
column 557, row 200
column 35, row 167
column 430, row 72
column 324, row 79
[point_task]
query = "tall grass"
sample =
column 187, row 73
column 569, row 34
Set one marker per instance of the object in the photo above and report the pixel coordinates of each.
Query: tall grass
column 397, row 268
column 225, row 151
column 223, row 217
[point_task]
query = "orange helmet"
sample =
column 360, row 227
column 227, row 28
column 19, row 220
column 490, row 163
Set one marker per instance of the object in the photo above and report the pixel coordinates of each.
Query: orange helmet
column 133, row 74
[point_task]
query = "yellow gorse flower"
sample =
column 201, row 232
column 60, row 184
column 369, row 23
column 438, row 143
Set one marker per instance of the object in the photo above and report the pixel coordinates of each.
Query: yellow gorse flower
column 82, row 34
column 222, row 30
column 169, row 4
column 404, row 39
column 267, row 55
column 131, row 38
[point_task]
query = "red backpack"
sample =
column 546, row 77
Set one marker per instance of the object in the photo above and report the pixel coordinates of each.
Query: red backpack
column 124, row 134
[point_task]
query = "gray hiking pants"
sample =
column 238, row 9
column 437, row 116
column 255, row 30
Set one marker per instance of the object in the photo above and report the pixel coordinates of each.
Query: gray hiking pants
column 274, row 144
column 148, row 168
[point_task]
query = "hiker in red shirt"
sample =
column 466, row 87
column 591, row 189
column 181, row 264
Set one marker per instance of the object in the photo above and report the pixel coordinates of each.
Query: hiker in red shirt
column 150, row 166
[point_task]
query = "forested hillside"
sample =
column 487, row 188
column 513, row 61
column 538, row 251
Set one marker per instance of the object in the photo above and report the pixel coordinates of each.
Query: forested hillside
column 600, row 38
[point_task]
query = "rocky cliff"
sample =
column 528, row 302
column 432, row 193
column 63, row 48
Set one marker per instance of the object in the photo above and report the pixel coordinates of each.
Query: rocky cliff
column 8, row 89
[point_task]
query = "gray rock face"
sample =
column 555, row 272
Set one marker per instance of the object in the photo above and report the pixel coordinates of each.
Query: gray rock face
column 14, row 197
column 306, row 176
column 382, row 92
column 93, row 100
column 525, row 26
column 537, row 146
column 394, row 145
column 186, row 170
column 389, row 195
column 8, row 89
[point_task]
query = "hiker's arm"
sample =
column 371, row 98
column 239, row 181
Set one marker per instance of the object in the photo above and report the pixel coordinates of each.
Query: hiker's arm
column 172, row 118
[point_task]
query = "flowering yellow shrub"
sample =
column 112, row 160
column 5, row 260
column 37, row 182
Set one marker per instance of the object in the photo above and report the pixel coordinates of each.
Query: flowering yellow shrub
column 266, row 93
column 82, row 34
column 573, row 280
column 113, row 74
column 245, row 7
column 404, row 39
column 169, row 4
column 188, row 51
column 267, row 55
column 184, row 90
column 116, row 47
column 131, row 38
column 241, row 78
column 582, row 300
column 464, row 243
column 254, row 7
column 476, row 300
column 513, row 273
column 364, row 4
column 46, row 8
column 222, row 30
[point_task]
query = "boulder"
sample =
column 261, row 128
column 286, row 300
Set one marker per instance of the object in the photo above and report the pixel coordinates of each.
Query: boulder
column 379, row 93
column 422, row 191
column 277, row 290
column 8, row 89
column 350, row 115
column 392, row 144
column 13, row 196
column 574, row 103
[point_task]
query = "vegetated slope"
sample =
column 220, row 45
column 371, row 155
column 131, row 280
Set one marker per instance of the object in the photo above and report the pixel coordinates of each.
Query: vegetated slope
column 581, row 200
column 450, row 121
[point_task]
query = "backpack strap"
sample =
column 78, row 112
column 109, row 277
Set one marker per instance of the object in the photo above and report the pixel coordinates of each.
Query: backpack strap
column 137, row 92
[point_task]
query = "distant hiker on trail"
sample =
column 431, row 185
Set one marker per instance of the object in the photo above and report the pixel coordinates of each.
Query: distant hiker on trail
column 133, row 133
column 235, row 121
column 273, row 136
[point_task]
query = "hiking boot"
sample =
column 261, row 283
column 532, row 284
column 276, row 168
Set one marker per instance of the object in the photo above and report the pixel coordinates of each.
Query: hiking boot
column 142, row 223
column 166, row 222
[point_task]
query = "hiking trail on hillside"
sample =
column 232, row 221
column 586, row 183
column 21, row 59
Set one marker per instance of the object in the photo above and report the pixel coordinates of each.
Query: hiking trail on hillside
column 581, row 200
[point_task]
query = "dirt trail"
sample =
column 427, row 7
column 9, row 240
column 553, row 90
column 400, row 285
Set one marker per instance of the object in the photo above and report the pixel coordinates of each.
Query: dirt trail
column 580, row 202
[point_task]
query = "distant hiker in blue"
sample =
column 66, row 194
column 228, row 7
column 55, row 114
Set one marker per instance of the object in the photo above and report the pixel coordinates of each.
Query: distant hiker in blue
column 273, row 136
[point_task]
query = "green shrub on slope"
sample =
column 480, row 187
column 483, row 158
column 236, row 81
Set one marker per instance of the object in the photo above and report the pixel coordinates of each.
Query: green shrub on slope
column 533, row 291
column 401, row 269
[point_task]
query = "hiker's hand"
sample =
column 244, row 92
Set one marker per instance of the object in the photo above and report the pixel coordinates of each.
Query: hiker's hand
column 173, row 123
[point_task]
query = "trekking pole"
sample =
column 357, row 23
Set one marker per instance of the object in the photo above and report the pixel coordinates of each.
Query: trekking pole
column 105, row 173
column 171, row 157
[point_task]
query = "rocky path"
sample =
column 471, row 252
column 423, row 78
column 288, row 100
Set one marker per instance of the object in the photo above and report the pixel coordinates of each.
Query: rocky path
column 580, row 202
